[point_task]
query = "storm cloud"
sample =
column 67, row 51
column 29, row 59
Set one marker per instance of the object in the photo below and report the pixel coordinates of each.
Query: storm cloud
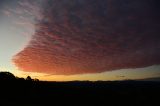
column 92, row 36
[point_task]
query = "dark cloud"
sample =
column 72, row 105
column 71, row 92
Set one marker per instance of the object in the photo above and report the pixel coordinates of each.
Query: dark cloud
column 151, row 79
column 121, row 76
column 92, row 36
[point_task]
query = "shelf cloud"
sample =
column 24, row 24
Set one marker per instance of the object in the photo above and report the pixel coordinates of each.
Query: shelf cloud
column 91, row 36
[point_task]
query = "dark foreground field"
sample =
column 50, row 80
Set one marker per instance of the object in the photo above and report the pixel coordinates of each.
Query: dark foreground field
column 20, row 92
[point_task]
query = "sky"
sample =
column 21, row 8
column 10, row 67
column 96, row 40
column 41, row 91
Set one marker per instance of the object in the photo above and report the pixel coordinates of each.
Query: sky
column 80, row 40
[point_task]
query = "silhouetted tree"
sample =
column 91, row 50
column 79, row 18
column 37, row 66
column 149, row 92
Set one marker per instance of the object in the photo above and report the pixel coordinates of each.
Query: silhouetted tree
column 36, row 79
column 21, row 79
column 29, row 78
column 7, row 76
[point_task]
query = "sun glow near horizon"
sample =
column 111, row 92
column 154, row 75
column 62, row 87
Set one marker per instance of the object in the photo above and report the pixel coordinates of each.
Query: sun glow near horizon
column 123, row 74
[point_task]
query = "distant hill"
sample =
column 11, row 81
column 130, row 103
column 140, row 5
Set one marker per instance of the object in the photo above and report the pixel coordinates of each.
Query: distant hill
column 29, row 92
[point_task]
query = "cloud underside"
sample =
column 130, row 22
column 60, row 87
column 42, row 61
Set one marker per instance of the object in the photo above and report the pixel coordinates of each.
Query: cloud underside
column 92, row 36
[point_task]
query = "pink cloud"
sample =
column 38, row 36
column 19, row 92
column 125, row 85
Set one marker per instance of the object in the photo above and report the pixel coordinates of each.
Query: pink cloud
column 91, row 37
